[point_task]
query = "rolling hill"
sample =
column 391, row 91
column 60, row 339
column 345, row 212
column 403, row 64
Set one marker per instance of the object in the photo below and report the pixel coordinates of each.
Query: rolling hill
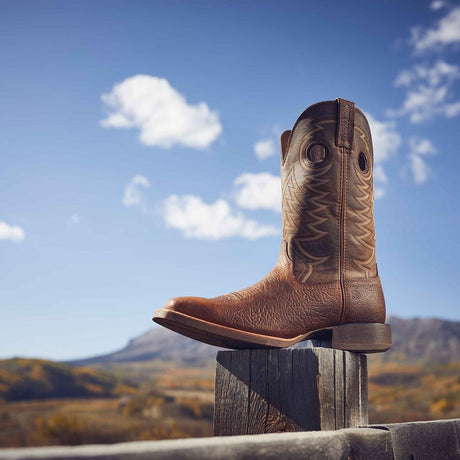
column 25, row 379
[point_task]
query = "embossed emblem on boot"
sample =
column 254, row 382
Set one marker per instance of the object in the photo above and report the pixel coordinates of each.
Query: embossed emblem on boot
column 316, row 153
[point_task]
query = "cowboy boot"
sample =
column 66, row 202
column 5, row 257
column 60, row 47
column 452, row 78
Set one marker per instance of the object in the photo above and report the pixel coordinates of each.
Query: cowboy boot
column 325, row 283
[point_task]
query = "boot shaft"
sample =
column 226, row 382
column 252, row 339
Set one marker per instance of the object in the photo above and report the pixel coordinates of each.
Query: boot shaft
column 327, row 189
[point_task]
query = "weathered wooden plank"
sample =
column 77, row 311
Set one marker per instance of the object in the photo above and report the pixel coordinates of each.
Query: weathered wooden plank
column 299, row 389
column 340, row 360
column 439, row 439
column 363, row 388
column 280, row 409
column 258, row 404
column 326, row 388
column 302, row 390
column 231, row 392
column 355, row 443
column 351, row 371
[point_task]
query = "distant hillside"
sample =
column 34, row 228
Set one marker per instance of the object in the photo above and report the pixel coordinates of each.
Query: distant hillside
column 419, row 340
column 157, row 344
column 24, row 379
column 414, row 341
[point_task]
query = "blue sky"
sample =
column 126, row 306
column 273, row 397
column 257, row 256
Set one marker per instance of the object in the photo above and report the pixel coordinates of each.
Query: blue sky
column 140, row 161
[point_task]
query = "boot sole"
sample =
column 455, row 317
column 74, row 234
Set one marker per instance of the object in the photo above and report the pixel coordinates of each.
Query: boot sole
column 356, row 337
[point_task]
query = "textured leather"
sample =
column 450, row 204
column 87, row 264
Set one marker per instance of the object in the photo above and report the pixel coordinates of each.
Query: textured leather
column 278, row 305
column 326, row 273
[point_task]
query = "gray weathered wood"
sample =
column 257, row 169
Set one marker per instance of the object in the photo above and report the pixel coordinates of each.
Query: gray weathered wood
column 303, row 389
column 439, row 439
column 232, row 392
column 353, row 443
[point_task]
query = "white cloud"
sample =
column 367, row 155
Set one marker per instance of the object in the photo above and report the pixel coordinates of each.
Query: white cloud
column 161, row 113
column 422, row 103
column 432, row 75
column 420, row 146
column 379, row 192
column 437, row 5
column 75, row 218
column 428, row 91
column 386, row 140
column 133, row 191
column 385, row 137
column 264, row 148
column 419, row 168
column 445, row 32
column 197, row 219
column 420, row 149
column 11, row 232
column 258, row 191
column 379, row 174
column 452, row 110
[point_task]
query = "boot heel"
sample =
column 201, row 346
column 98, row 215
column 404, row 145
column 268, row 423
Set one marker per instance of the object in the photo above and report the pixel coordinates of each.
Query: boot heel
column 362, row 337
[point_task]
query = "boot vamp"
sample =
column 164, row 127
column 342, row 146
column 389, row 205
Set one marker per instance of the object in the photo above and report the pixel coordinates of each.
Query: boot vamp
column 277, row 306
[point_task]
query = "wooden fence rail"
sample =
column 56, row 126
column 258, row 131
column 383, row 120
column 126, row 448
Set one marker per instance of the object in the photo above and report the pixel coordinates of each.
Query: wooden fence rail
column 403, row 441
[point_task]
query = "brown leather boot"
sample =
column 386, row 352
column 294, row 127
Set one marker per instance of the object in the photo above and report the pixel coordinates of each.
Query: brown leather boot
column 325, row 282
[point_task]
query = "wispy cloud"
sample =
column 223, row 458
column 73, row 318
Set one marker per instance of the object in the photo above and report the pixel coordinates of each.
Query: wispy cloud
column 11, row 232
column 386, row 140
column 75, row 219
column 419, row 169
column 420, row 148
column 264, row 148
column 445, row 32
column 385, row 137
column 161, row 113
column 133, row 191
column 428, row 91
column 197, row 219
column 258, row 191
column 437, row 5
column 433, row 76
column 379, row 174
column 379, row 192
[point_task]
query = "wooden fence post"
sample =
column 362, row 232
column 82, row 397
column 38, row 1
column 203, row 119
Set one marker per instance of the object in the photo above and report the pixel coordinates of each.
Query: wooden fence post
column 303, row 389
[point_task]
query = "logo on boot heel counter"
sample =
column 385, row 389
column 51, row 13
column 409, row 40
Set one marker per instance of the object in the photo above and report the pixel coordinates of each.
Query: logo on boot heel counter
column 355, row 295
column 364, row 288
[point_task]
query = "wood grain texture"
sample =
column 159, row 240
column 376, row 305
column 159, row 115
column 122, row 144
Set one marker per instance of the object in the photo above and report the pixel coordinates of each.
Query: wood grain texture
column 232, row 393
column 303, row 389
column 439, row 439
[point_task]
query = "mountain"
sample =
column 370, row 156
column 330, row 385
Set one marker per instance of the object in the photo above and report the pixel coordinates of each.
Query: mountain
column 157, row 344
column 428, row 340
column 415, row 340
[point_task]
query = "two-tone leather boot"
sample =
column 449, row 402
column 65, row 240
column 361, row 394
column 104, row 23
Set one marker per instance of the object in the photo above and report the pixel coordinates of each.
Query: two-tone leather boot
column 325, row 283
